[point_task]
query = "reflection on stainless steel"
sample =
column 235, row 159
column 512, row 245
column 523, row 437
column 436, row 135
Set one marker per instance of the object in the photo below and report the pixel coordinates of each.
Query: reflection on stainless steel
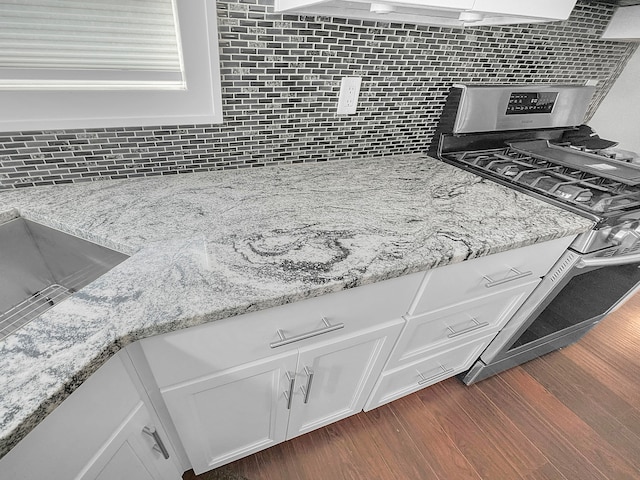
column 40, row 267
column 479, row 102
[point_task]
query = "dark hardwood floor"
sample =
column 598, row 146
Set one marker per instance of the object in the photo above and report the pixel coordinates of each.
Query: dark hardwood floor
column 573, row 414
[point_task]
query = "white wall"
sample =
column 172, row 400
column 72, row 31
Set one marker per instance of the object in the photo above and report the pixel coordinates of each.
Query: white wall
column 618, row 116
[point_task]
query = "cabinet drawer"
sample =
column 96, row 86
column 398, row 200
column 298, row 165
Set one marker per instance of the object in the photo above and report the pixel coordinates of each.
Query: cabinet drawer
column 478, row 277
column 440, row 330
column 194, row 352
column 402, row 381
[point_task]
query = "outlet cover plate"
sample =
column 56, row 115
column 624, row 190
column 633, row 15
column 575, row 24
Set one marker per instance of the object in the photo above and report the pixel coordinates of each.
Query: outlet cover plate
column 349, row 91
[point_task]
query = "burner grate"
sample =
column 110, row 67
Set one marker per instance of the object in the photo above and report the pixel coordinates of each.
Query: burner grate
column 569, row 185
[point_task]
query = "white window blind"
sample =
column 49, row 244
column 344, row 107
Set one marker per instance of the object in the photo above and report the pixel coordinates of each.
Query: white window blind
column 90, row 44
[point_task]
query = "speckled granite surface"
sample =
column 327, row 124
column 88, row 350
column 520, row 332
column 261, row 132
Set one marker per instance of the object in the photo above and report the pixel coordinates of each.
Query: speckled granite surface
column 213, row 245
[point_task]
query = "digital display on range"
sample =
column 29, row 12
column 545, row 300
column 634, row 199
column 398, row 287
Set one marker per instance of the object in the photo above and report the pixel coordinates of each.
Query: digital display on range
column 531, row 102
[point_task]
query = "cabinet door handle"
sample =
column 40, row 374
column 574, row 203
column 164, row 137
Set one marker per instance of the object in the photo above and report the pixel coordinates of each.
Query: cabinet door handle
column 518, row 274
column 445, row 371
column 307, row 390
column 289, row 395
column 477, row 325
column 158, row 445
column 303, row 336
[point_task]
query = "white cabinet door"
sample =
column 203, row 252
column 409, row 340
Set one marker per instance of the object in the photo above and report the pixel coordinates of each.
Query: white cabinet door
column 333, row 380
column 132, row 453
column 96, row 433
column 241, row 410
column 233, row 413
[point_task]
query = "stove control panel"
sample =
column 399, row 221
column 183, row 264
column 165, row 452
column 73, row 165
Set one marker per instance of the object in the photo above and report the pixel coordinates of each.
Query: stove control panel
column 522, row 103
column 491, row 108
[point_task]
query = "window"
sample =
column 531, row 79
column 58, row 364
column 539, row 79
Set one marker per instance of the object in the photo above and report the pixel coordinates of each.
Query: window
column 84, row 64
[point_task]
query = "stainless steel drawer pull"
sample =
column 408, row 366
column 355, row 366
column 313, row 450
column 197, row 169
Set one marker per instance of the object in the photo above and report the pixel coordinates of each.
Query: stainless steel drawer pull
column 494, row 283
column 307, row 390
column 289, row 395
column 476, row 325
column 158, row 446
column 445, row 371
column 303, row 336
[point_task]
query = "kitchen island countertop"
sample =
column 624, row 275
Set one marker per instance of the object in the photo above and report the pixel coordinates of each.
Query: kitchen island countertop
column 207, row 246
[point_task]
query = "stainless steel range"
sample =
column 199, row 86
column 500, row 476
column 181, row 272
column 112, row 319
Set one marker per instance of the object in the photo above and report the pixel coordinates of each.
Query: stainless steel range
column 531, row 138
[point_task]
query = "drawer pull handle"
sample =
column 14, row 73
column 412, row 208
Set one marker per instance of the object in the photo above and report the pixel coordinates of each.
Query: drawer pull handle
column 307, row 390
column 158, row 446
column 445, row 371
column 477, row 325
column 303, row 336
column 289, row 395
column 518, row 274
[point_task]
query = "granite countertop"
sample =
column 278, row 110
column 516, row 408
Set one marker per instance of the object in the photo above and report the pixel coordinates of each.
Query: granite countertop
column 207, row 246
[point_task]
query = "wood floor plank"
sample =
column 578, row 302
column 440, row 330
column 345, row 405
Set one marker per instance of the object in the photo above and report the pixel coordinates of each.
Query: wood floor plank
column 276, row 463
column 342, row 451
column 393, row 442
column 574, row 430
column 604, row 372
column 488, row 461
column 546, row 472
column 571, row 374
column 368, row 454
column 436, row 446
column 532, row 422
column 587, row 400
column 618, row 345
column 616, row 339
column 631, row 420
column 495, row 426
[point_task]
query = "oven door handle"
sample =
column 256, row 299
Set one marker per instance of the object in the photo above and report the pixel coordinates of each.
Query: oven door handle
column 608, row 261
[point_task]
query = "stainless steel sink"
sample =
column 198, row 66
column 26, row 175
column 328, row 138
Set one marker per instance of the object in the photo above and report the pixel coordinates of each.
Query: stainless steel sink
column 41, row 266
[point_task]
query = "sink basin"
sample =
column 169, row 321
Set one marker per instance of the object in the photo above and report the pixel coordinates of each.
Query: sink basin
column 41, row 266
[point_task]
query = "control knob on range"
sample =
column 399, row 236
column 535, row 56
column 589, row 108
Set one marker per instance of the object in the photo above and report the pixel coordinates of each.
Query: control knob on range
column 625, row 236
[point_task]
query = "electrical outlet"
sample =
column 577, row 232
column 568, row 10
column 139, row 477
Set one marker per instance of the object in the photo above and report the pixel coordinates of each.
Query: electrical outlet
column 348, row 99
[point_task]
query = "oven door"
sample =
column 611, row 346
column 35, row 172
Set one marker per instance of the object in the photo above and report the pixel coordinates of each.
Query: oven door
column 576, row 294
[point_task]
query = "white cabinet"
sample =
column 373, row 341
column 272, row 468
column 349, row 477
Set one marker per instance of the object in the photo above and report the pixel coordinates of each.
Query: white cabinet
column 439, row 329
column 333, row 380
column 412, row 377
column 435, row 12
column 232, row 413
column 96, row 433
column 458, row 311
column 213, row 347
column 624, row 25
column 236, row 386
column 241, row 410
column 442, row 343
column 132, row 452
column 239, row 385
column 452, row 284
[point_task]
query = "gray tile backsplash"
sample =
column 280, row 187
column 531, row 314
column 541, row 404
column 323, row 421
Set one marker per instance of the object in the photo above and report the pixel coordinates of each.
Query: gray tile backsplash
column 280, row 81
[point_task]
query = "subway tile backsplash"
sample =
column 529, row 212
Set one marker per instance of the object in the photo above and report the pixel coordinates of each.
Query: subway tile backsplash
column 280, row 80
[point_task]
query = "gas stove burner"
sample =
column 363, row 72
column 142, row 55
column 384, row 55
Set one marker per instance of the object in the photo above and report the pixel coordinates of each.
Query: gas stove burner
column 567, row 184
column 573, row 193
